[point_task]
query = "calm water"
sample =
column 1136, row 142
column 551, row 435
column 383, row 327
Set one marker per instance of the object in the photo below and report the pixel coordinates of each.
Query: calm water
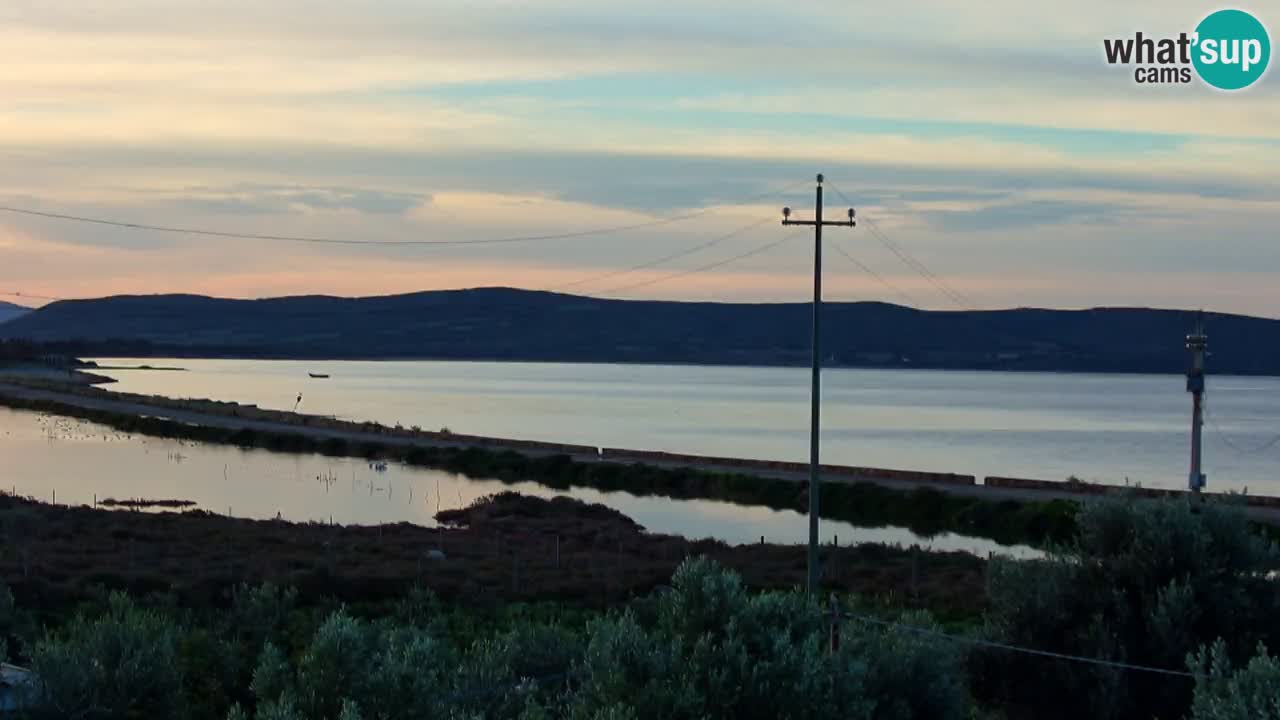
column 1108, row 428
column 48, row 455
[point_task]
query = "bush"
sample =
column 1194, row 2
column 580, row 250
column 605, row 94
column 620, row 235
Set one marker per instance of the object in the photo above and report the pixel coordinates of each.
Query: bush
column 705, row 649
column 122, row 665
column 1146, row 582
column 260, row 614
column 1251, row 693
column 717, row 652
column 353, row 668
column 910, row 675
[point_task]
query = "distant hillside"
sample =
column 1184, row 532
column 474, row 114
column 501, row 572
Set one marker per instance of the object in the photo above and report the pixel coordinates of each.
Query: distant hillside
column 506, row 324
column 9, row 311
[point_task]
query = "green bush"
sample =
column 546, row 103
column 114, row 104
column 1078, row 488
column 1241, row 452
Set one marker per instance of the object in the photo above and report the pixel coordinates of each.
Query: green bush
column 1145, row 582
column 909, row 675
column 705, row 649
column 122, row 665
column 1250, row 693
column 353, row 668
column 260, row 614
column 717, row 652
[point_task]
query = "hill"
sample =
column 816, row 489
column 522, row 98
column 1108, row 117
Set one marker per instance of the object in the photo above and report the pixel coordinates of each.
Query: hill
column 9, row 311
column 508, row 324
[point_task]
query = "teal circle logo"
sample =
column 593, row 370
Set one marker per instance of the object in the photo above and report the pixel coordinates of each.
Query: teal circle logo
column 1232, row 49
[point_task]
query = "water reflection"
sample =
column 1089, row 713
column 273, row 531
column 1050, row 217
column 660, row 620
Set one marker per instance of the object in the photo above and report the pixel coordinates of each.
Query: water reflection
column 1106, row 428
column 50, row 456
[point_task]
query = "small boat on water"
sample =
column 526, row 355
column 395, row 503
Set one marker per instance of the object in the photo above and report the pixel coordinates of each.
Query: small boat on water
column 318, row 375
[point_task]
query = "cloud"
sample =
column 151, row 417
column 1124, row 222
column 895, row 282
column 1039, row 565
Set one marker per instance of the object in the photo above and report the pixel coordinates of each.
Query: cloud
column 1022, row 214
column 991, row 139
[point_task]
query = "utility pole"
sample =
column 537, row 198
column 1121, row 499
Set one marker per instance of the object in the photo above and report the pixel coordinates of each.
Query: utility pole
column 1197, row 341
column 815, row 482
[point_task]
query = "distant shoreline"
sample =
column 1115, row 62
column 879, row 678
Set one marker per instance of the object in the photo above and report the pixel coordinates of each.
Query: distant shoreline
column 96, row 366
column 73, row 375
column 744, row 365
column 509, row 361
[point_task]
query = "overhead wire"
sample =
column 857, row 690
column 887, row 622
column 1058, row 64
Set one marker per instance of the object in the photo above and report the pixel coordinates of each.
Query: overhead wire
column 664, row 259
column 1230, row 442
column 910, row 260
column 703, row 268
column 33, row 297
column 205, row 232
column 1114, row 664
column 349, row 241
column 902, row 294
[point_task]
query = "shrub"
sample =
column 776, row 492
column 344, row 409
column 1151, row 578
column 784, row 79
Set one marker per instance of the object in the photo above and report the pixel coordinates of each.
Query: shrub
column 717, row 652
column 1251, row 693
column 910, row 675
column 122, row 665
column 260, row 614
column 704, row 649
column 353, row 668
column 1144, row 582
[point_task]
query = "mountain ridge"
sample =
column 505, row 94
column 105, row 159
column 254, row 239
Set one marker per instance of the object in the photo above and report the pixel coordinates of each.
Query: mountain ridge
column 10, row 311
column 515, row 324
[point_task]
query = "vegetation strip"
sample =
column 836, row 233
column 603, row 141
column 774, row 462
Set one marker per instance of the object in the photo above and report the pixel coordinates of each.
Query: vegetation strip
column 1109, row 625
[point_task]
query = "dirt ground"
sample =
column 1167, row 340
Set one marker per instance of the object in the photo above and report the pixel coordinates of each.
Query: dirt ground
column 511, row 547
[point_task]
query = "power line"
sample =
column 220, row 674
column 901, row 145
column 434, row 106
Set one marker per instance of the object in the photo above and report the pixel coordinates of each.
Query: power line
column 29, row 295
column 703, row 268
column 346, row 241
column 1213, row 421
column 1018, row 649
column 607, row 230
column 918, row 266
column 910, row 261
column 666, row 258
column 893, row 288
column 689, row 251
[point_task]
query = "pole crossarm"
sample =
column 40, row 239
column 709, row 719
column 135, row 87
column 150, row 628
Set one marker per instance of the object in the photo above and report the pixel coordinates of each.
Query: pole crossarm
column 835, row 223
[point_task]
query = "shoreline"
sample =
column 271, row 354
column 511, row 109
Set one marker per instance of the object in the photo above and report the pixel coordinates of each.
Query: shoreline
column 144, row 368
column 75, row 375
column 320, row 426
column 656, row 363
column 1008, row 510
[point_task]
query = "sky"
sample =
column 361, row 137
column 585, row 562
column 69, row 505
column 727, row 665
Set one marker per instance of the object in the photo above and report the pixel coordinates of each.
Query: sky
column 989, row 143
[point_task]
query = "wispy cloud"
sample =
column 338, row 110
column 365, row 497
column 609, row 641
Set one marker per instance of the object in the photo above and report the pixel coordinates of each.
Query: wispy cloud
column 992, row 139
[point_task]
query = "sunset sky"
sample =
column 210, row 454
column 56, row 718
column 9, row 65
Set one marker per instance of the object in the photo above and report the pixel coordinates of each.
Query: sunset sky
column 990, row 140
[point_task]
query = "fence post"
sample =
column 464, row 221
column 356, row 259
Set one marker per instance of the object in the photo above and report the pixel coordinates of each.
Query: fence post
column 835, row 624
column 915, row 573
